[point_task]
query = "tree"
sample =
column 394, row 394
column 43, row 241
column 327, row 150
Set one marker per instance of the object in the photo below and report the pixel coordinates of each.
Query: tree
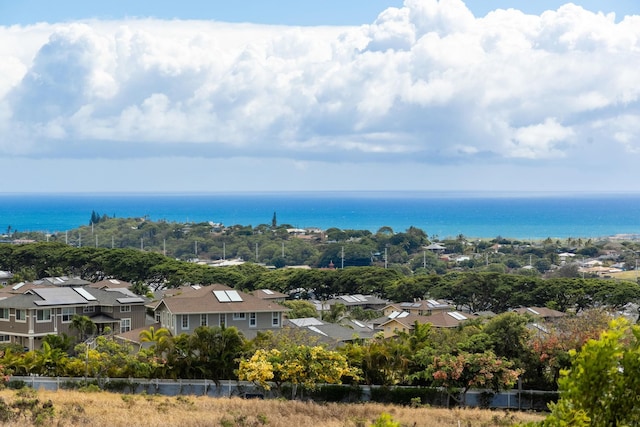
column 301, row 365
column 216, row 350
column 602, row 387
column 155, row 336
column 472, row 370
column 300, row 309
column 84, row 325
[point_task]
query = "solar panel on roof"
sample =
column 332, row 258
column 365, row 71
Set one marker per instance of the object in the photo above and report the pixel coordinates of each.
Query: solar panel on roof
column 222, row 296
column 58, row 296
column 85, row 294
column 316, row 330
column 234, row 296
column 129, row 300
column 267, row 291
column 18, row 286
column 456, row 315
column 403, row 314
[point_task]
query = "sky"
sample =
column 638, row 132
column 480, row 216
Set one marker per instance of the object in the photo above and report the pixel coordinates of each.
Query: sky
column 252, row 96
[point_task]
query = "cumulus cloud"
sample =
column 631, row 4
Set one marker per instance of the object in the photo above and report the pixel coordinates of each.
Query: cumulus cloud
column 427, row 82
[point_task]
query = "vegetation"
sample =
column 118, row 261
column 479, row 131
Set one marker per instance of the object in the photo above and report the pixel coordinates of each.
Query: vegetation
column 491, row 353
column 81, row 408
column 602, row 387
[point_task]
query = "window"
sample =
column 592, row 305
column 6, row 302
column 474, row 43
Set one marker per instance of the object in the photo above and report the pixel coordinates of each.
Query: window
column 5, row 338
column 106, row 309
column 204, row 321
column 67, row 314
column 21, row 316
column 43, row 315
column 125, row 325
column 88, row 309
column 125, row 309
column 185, row 321
column 275, row 319
column 252, row 320
column 239, row 316
column 222, row 322
column 4, row 314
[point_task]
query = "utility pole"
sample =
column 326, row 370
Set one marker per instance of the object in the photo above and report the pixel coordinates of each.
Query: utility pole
column 385, row 257
column 256, row 251
column 342, row 258
column 424, row 259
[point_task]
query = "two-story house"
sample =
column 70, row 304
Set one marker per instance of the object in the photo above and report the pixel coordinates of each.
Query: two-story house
column 218, row 305
column 25, row 319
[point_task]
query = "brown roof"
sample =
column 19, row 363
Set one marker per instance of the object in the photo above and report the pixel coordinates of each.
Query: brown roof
column 204, row 300
column 440, row 319
column 110, row 283
column 268, row 294
column 544, row 312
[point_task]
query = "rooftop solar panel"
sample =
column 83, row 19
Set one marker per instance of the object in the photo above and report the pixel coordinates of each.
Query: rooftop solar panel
column 129, row 300
column 222, row 296
column 58, row 296
column 85, row 294
column 234, row 296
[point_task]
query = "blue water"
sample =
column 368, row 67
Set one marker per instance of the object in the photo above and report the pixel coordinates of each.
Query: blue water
column 522, row 216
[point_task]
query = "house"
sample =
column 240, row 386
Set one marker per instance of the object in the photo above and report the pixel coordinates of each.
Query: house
column 403, row 321
column 541, row 312
column 5, row 277
column 420, row 307
column 25, row 319
column 332, row 333
column 269, row 295
column 366, row 302
column 218, row 305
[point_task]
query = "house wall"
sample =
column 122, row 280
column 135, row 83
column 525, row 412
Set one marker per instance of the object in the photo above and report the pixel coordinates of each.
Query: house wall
column 29, row 333
column 174, row 323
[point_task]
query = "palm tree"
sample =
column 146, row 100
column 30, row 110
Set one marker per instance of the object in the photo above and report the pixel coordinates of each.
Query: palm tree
column 84, row 325
column 155, row 336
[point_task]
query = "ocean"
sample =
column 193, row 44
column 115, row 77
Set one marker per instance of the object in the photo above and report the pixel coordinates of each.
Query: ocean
column 481, row 215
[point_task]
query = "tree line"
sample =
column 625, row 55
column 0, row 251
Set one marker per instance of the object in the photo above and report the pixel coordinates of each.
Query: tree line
column 474, row 291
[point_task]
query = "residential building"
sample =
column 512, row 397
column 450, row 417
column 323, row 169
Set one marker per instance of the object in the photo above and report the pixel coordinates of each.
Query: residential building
column 5, row 277
column 331, row 333
column 403, row 321
column 419, row 307
column 218, row 305
column 25, row 319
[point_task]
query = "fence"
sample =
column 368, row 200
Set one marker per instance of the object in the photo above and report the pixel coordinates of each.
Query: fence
column 512, row 399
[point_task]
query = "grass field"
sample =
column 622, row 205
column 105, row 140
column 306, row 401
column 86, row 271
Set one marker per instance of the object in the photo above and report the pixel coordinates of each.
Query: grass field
column 626, row 275
column 74, row 408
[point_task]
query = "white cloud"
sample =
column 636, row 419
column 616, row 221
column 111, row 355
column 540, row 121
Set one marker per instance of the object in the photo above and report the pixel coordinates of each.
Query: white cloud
column 427, row 82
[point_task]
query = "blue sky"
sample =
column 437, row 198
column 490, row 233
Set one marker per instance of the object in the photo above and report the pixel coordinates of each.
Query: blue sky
column 252, row 95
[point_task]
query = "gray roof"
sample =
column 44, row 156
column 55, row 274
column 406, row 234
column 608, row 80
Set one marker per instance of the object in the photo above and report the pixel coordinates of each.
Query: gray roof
column 69, row 297
column 331, row 331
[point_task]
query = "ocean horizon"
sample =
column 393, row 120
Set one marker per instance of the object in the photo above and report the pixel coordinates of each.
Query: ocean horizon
column 527, row 215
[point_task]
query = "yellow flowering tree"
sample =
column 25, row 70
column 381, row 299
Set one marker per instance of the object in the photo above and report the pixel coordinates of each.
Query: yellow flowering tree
column 301, row 365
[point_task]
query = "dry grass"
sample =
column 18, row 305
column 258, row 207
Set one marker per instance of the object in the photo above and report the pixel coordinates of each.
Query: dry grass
column 626, row 275
column 73, row 408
